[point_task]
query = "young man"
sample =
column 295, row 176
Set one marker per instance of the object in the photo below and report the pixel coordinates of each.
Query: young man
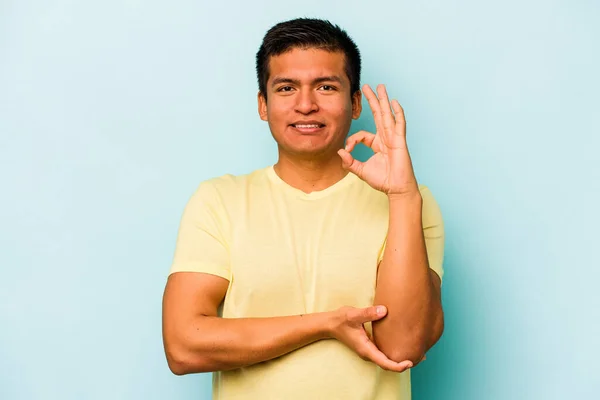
column 277, row 275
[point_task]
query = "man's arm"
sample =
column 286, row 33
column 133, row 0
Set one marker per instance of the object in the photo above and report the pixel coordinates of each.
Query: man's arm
column 407, row 286
column 405, row 283
column 197, row 340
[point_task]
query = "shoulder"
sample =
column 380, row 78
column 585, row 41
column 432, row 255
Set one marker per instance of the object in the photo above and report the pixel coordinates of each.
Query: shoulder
column 432, row 214
column 425, row 190
column 426, row 194
column 224, row 186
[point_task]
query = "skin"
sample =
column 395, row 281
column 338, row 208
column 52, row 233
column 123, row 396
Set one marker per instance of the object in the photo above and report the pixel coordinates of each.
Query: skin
column 303, row 85
column 405, row 283
column 297, row 91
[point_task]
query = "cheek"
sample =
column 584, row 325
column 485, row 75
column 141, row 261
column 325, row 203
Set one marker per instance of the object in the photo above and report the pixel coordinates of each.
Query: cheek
column 277, row 111
column 338, row 110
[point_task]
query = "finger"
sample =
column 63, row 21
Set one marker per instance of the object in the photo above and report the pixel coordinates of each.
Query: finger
column 350, row 163
column 375, row 107
column 386, row 111
column 364, row 137
column 367, row 314
column 400, row 120
column 374, row 354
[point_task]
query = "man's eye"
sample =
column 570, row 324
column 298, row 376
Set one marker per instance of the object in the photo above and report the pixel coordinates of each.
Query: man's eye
column 285, row 89
column 327, row 88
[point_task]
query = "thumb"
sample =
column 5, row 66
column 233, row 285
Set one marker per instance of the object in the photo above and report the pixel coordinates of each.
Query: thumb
column 350, row 163
column 372, row 314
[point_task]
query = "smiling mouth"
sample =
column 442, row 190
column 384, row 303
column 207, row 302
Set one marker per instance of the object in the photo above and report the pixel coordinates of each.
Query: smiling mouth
column 308, row 129
column 308, row 126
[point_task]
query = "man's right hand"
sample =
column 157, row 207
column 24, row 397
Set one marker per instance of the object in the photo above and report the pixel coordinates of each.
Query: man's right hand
column 348, row 327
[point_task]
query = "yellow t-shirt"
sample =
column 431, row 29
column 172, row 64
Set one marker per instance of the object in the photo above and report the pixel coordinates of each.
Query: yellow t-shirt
column 286, row 252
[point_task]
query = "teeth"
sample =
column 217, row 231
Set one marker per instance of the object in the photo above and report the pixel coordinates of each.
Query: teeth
column 306, row 126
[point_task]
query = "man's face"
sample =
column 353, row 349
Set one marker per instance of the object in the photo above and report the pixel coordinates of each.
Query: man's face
column 309, row 106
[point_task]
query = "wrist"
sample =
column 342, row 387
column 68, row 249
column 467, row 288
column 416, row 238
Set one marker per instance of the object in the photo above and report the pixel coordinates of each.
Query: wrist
column 406, row 209
column 331, row 323
column 414, row 196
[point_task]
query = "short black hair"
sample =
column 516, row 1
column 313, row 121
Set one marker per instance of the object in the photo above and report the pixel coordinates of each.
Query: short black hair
column 306, row 33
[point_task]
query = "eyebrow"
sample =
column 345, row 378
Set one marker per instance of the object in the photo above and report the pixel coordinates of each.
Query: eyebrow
column 321, row 79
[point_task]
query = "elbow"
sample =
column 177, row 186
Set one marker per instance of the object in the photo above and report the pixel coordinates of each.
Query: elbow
column 181, row 362
column 402, row 347
column 177, row 368
column 411, row 345
column 438, row 329
column 413, row 352
column 178, row 363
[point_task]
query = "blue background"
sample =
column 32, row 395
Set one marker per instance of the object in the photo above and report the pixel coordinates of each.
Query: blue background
column 111, row 113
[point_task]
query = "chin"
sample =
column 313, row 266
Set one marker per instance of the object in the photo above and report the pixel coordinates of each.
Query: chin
column 309, row 152
column 309, row 146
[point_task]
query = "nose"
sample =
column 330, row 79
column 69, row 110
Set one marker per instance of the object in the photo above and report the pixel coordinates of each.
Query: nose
column 306, row 102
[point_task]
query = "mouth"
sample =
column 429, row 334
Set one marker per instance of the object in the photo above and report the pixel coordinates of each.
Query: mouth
column 308, row 127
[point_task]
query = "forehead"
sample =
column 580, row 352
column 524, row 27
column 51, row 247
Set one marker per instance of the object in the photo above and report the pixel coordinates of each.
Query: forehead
column 308, row 64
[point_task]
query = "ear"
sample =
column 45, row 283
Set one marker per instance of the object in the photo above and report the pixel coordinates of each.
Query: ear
column 356, row 104
column 262, row 106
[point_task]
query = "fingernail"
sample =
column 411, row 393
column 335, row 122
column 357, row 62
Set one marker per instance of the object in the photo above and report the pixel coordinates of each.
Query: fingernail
column 380, row 310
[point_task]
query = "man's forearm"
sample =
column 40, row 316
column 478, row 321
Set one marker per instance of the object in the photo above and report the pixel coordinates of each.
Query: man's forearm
column 218, row 344
column 405, row 286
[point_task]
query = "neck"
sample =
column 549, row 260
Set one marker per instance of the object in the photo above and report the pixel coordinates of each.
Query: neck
column 310, row 175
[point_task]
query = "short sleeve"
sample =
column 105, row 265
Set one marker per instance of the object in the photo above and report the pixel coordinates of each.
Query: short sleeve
column 201, row 246
column 433, row 231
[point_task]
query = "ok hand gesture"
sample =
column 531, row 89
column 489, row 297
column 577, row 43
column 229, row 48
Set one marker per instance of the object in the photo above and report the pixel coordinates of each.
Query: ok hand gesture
column 390, row 169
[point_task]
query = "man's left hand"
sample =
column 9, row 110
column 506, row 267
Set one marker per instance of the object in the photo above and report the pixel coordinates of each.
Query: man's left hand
column 390, row 169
